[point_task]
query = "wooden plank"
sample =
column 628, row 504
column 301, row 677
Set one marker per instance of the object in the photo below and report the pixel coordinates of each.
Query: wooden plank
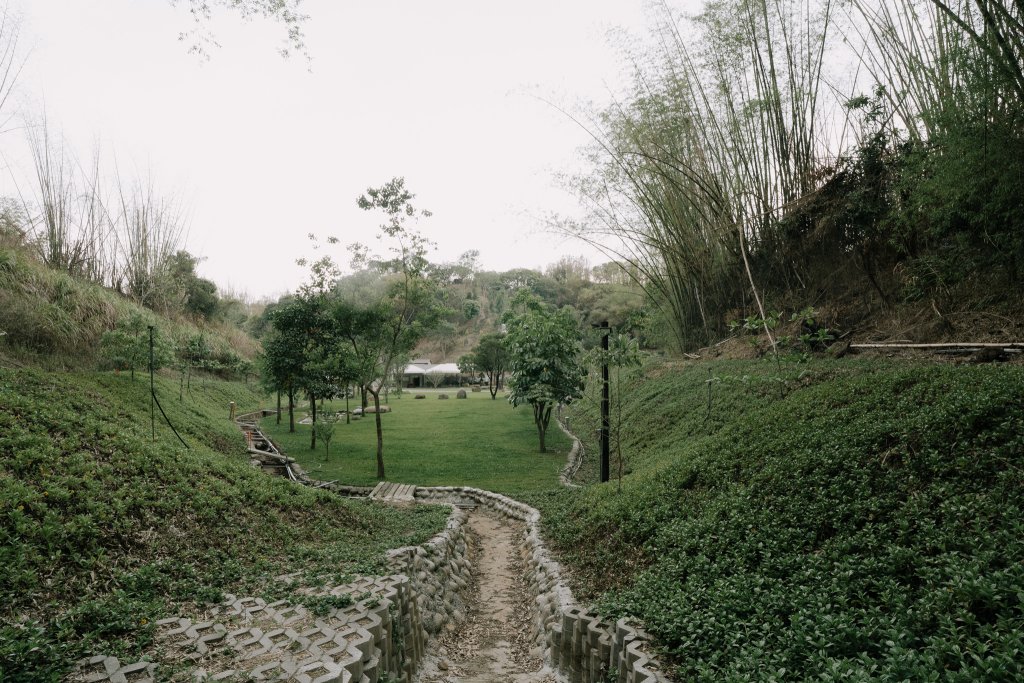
column 943, row 345
column 378, row 490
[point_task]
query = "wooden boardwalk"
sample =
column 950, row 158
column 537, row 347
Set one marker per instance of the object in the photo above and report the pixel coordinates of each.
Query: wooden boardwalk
column 394, row 493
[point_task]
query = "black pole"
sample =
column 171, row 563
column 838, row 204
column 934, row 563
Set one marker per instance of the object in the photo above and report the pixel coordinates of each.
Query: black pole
column 152, row 390
column 605, row 423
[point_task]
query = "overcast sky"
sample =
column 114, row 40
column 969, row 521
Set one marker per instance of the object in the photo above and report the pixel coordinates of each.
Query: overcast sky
column 448, row 94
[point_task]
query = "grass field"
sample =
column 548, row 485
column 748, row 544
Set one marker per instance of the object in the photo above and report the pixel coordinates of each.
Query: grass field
column 431, row 442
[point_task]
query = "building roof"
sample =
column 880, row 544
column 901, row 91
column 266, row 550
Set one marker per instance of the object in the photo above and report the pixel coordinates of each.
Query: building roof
column 443, row 369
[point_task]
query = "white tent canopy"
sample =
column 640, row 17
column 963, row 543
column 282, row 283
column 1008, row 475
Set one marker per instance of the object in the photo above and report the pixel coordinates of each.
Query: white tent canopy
column 443, row 369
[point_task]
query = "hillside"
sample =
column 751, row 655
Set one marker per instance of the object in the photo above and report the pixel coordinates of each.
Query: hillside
column 105, row 531
column 857, row 519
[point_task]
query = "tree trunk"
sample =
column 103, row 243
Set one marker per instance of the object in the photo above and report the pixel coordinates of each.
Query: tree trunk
column 542, row 427
column 312, row 431
column 380, row 436
column 291, row 410
column 492, row 385
column 278, row 406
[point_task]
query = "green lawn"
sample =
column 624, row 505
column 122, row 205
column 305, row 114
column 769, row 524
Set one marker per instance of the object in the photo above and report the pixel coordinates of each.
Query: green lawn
column 431, row 442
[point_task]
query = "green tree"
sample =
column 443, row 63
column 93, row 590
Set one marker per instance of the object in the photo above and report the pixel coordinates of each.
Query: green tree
column 490, row 356
column 198, row 295
column 324, row 429
column 467, row 364
column 126, row 347
column 284, row 360
column 381, row 334
column 544, row 359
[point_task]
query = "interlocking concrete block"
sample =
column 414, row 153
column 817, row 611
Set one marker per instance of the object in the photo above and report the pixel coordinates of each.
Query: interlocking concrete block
column 250, row 608
column 286, row 615
column 319, row 672
column 103, row 669
column 206, row 635
column 173, row 628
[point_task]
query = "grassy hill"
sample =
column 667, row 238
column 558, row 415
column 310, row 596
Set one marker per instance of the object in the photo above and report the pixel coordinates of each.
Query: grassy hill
column 103, row 531
column 830, row 520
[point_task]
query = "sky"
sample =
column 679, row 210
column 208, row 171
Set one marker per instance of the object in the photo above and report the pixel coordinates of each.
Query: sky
column 459, row 97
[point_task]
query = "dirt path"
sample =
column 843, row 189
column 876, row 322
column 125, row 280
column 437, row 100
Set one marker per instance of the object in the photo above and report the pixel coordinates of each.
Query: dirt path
column 494, row 642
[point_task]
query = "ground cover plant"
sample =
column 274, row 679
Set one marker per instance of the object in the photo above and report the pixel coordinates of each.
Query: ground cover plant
column 102, row 532
column 431, row 442
column 854, row 520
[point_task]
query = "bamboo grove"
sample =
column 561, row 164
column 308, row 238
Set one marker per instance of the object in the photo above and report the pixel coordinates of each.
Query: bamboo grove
column 806, row 149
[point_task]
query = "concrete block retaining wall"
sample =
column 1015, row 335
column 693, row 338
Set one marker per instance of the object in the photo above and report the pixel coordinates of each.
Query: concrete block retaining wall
column 439, row 574
column 377, row 638
column 576, row 643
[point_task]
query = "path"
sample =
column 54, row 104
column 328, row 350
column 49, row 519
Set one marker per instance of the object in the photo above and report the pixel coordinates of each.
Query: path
column 493, row 644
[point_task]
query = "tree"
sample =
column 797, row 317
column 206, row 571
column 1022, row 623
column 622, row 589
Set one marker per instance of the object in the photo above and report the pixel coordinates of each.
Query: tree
column 467, row 365
column 543, row 348
column 324, row 430
column 193, row 352
column 436, row 379
column 491, row 357
column 446, row 336
column 284, row 357
column 381, row 334
column 285, row 12
column 198, row 296
column 126, row 347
